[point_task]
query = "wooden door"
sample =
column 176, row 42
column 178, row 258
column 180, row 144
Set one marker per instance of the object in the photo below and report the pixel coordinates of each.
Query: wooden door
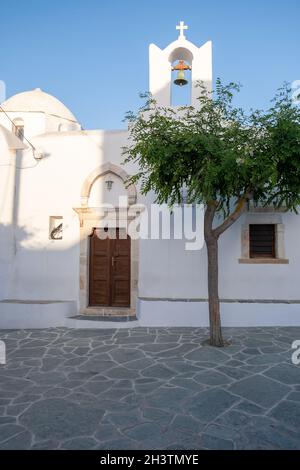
column 109, row 271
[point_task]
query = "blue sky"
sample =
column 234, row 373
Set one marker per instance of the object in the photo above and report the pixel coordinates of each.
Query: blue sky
column 93, row 54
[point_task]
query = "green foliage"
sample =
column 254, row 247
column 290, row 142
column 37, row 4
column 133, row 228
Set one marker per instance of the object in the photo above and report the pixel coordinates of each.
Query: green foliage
column 217, row 151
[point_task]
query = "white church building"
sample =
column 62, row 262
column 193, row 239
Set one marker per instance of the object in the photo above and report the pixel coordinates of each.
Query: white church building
column 55, row 179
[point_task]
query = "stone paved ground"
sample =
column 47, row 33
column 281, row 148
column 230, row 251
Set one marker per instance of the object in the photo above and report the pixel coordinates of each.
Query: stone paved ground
column 149, row 389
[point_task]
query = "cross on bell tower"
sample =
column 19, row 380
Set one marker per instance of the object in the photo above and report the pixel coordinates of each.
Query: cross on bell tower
column 181, row 27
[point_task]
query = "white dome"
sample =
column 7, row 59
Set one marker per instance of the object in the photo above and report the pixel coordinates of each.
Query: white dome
column 37, row 101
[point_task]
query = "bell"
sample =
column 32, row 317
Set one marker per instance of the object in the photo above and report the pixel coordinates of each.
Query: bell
column 180, row 79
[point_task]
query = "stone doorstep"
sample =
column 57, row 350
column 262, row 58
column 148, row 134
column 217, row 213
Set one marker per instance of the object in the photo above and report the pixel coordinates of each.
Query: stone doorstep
column 107, row 312
column 33, row 302
column 104, row 318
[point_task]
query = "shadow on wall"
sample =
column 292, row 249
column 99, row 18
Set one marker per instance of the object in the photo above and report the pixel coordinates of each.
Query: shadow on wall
column 50, row 272
column 34, row 267
column 36, row 285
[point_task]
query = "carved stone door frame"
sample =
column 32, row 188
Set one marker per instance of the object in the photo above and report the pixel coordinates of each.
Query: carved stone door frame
column 89, row 219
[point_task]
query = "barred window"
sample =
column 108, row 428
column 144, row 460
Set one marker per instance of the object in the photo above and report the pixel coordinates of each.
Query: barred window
column 262, row 240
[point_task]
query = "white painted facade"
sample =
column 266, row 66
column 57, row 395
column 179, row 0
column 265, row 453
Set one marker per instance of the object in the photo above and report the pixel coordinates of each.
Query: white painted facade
column 60, row 171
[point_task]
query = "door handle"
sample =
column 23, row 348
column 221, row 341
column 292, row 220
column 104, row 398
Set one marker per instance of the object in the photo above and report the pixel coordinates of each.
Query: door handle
column 112, row 261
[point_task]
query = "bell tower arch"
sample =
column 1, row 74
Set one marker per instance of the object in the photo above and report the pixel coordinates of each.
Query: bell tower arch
column 161, row 62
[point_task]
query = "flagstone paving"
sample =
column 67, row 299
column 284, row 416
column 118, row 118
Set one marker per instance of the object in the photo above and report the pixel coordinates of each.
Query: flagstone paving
column 149, row 388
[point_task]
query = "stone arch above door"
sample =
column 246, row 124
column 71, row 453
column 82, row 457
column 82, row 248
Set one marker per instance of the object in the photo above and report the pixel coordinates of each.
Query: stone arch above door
column 102, row 170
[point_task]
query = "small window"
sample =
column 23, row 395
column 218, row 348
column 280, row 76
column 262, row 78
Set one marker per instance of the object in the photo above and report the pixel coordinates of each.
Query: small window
column 262, row 240
column 55, row 228
column 18, row 128
column 19, row 132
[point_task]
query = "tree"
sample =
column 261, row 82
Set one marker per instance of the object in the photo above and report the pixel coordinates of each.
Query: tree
column 224, row 156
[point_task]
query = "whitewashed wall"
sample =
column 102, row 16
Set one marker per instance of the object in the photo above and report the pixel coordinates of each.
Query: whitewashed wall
column 33, row 267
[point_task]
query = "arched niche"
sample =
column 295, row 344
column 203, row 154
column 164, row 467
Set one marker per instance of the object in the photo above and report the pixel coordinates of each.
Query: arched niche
column 18, row 128
column 105, row 170
column 181, row 53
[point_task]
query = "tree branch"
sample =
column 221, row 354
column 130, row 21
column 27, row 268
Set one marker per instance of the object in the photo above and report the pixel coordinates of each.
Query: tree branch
column 239, row 210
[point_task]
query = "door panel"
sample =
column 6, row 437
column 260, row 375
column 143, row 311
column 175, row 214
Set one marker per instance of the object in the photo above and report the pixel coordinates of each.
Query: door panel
column 120, row 272
column 99, row 271
column 109, row 271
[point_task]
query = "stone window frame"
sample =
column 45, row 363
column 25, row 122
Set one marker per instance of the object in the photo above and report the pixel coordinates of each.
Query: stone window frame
column 263, row 218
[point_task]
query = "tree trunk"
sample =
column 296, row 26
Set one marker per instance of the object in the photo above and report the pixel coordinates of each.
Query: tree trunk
column 213, row 292
column 211, row 238
column 212, row 277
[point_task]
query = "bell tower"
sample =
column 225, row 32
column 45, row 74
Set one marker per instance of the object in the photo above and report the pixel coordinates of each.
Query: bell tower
column 181, row 56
